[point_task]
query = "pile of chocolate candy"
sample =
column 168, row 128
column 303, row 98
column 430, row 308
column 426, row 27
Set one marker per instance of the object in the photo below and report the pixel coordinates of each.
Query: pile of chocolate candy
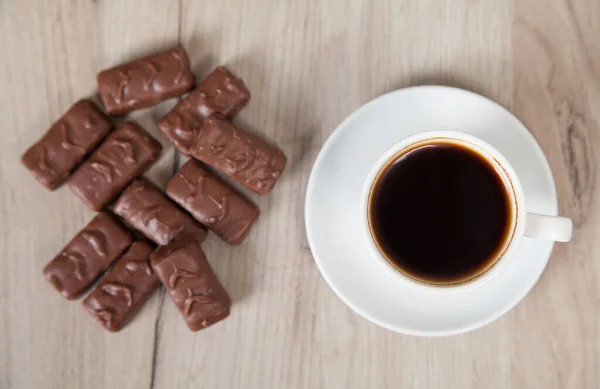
column 102, row 167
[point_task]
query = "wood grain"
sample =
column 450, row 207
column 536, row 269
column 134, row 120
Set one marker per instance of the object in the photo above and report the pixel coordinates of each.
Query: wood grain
column 308, row 65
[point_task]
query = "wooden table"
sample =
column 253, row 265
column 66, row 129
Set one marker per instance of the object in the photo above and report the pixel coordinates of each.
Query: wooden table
column 308, row 63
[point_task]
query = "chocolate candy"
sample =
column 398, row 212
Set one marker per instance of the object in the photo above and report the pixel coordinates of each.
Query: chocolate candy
column 239, row 154
column 212, row 202
column 124, row 155
column 87, row 255
column 144, row 207
column 145, row 82
column 221, row 92
column 183, row 269
column 124, row 289
column 52, row 158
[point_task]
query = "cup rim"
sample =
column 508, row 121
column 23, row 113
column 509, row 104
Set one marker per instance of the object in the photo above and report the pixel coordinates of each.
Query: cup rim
column 486, row 151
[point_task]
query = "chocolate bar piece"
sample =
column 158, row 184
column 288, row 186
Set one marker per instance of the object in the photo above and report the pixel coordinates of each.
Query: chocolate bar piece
column 183, row 269
column 124, row 155
column 145, row 82
column 144, row 207
column 70, row 139
column 239, row 154
column 221, row 92
column 212, row 202
column 87, row 255
column 124, row 289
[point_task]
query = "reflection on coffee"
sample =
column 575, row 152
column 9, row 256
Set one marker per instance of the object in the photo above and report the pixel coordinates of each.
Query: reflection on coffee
column 440, row 213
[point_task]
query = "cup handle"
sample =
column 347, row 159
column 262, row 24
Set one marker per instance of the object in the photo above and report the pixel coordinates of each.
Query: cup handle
column 556, row 228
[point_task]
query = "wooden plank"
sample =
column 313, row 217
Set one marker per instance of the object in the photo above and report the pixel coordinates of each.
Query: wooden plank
column 51, row 53
column 309, row 64
column 557, row 95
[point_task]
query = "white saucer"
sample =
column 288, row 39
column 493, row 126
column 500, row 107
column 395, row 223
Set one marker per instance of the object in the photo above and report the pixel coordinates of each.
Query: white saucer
column 332, row 210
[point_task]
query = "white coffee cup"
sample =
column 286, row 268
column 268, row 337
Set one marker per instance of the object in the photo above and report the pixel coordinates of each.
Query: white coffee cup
column 523, row 224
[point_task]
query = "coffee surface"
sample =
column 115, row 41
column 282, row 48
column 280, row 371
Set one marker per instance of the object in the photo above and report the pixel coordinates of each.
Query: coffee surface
column 440, row 213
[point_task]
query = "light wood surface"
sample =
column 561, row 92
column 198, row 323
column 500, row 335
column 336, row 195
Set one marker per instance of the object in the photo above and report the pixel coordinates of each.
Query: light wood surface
column 308, row 63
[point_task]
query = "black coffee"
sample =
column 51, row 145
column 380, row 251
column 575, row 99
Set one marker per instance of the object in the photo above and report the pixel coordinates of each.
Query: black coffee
column 440, row 213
